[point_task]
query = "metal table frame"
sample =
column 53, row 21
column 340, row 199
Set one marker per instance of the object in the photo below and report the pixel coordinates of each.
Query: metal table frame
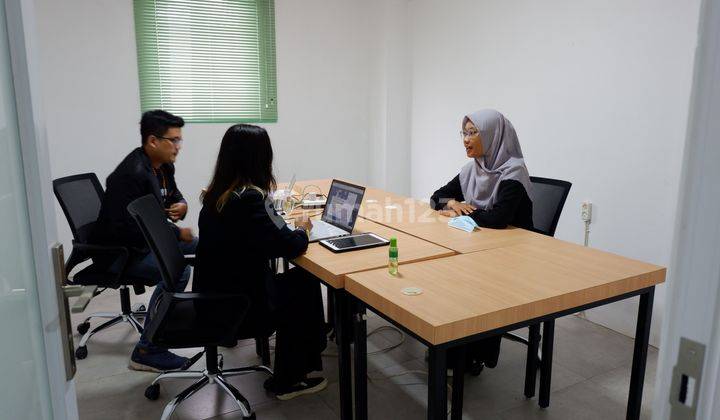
column 437, row 375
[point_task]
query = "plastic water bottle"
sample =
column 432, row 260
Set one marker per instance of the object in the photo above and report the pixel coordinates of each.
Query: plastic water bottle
column 393, row 260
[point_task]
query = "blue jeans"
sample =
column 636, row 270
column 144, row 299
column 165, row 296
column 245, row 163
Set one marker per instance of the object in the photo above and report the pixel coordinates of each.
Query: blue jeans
column 146, row 267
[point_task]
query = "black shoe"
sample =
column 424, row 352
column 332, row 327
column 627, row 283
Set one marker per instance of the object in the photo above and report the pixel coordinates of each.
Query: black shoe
column 269, row 384
column 476, row 368
column 306, row 386
column 156, row 361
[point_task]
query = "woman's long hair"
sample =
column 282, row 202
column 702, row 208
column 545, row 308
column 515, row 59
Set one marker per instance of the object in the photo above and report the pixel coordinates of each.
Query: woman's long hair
column 245, row 160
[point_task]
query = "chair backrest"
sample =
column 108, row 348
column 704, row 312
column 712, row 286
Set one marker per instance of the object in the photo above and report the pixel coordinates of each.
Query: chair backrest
column 549, row 197
column 183, row 319
column 80, row 197
column 160, row 237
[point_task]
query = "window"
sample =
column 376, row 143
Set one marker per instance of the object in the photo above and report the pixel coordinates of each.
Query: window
column 208, row 60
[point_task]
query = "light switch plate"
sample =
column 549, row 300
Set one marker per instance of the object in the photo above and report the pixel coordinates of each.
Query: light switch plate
column 686, row 380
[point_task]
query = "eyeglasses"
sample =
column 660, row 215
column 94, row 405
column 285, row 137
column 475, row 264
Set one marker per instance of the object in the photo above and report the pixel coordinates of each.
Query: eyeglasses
column 471, row 133
column 175, row 140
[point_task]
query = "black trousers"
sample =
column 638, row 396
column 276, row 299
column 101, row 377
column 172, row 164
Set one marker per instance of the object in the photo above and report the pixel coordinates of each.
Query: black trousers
column 299, row 321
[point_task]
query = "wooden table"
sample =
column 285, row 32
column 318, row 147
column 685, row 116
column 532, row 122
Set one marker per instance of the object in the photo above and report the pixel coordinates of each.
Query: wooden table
column 331, row 268
column 477, row 295
column 506, row 279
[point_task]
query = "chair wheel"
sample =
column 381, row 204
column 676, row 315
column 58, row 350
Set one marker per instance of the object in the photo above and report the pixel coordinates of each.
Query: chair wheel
column 152, row 392
column 476, row 368
column 83, row 328
column 81, row 352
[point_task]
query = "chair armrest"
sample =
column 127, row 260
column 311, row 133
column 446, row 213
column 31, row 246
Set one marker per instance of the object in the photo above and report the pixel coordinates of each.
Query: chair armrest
column 101, row 250
column 136, row 250
column 81, row 252
column 119, row 253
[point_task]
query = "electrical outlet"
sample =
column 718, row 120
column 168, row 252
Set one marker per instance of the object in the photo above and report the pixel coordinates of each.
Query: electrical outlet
column 586, row 211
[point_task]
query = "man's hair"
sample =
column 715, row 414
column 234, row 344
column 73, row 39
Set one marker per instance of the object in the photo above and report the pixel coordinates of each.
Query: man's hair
column 157, row 122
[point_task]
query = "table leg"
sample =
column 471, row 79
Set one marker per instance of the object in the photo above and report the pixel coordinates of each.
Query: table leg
column 437, row 384
column 360, row 357
column 546, row 364
column 262, row 348
column 531, row 364
column 458, row 387
column 331, row 312
column 642, row 337
column 341, row 313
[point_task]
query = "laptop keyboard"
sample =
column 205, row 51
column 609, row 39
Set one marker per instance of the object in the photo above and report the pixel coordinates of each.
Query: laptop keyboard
column 325, row 230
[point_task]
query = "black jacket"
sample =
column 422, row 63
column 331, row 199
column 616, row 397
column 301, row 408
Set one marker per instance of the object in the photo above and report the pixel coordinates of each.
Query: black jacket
column 133, row 178
column 512, row 205
column 236, row 245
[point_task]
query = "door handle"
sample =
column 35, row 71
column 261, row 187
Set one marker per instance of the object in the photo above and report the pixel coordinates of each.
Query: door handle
column 63, row 291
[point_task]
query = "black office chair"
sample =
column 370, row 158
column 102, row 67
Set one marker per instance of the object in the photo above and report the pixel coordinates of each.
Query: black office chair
column 80, row 197
column 549, row 197
column 185, row 320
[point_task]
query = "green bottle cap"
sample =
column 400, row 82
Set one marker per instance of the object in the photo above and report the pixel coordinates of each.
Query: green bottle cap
column 393, row 248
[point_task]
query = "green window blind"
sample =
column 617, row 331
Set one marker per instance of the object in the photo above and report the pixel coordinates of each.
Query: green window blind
column 208, row 60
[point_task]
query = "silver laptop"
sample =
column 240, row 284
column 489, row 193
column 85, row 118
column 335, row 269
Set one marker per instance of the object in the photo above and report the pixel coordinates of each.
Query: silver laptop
column 340, row 213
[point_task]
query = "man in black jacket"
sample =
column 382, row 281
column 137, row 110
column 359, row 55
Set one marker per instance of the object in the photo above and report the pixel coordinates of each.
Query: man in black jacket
column 149, row 169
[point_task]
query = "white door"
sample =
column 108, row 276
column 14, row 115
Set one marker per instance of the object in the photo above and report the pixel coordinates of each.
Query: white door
column 33, row 376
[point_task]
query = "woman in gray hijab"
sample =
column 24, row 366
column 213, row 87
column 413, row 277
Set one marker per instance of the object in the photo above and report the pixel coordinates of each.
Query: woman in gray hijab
column 494, row 189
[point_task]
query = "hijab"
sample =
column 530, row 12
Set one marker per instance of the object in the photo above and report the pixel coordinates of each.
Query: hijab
column 502, row 160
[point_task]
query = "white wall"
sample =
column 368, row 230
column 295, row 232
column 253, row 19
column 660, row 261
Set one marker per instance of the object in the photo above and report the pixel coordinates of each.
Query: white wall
column 91, row 93
column 598, row 93
column 374, row 91
column 389, row 93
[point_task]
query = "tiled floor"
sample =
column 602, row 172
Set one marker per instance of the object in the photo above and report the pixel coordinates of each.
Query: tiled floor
column 591, row 375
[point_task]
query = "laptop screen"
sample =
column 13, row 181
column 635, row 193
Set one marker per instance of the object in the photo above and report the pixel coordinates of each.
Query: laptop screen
column 343, row 205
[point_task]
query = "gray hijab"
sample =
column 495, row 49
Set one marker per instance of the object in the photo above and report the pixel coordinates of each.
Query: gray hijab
column 502, row 160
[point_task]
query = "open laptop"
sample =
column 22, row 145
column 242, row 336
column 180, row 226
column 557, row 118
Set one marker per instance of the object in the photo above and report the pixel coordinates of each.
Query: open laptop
column 340, row 213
